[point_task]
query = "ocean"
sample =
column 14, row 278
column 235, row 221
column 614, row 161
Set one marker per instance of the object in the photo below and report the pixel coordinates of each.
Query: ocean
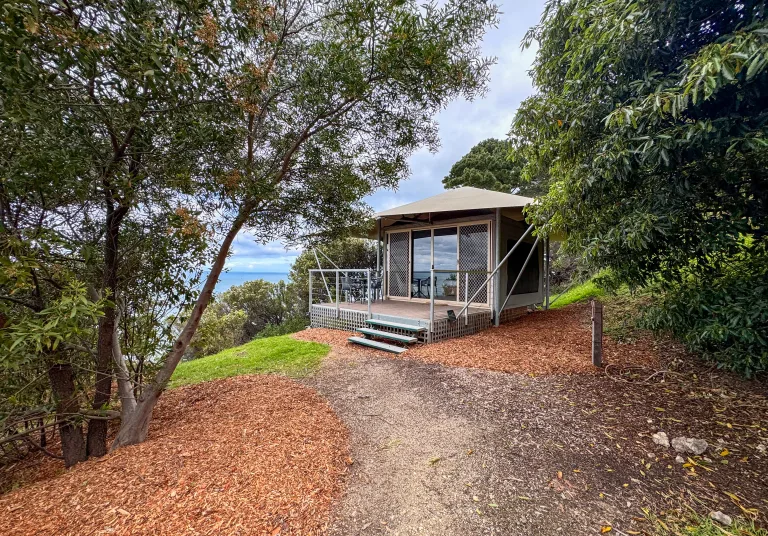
column 231, row 279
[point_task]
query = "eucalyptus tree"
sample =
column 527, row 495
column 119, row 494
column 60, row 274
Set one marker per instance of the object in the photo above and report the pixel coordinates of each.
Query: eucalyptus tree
column 651, row 118
column 108, row 121
column 331, row 99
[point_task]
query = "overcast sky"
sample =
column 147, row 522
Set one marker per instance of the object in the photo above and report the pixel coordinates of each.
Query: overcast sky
column 462, row 125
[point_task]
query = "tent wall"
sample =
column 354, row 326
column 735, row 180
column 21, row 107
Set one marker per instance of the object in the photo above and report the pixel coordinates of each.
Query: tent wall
column 511, row 231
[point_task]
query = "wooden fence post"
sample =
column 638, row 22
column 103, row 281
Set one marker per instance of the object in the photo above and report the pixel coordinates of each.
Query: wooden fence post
column 597, row 333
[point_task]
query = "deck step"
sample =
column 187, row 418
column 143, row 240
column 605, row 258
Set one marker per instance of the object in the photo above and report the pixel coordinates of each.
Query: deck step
column 407, row 339
column 395, row 325
column 378, row 345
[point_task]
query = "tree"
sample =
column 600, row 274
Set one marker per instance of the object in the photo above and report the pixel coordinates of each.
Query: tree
column 330, row 98
column 492, row 165
column 651, row 121
column 107, row 113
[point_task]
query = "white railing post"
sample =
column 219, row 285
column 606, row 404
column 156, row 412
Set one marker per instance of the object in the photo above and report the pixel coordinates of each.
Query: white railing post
column 466, row 298
column 368, row 277
column 337, row 294
column 431, row 302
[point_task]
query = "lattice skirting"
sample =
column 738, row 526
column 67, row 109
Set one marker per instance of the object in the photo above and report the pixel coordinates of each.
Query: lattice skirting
column 508, row 315
column 322, row 316
column 444, row 329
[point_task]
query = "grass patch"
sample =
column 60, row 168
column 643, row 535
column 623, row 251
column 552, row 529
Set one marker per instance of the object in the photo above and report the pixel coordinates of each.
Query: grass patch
column 698, row 525
column 578, row 293
column 283, row 355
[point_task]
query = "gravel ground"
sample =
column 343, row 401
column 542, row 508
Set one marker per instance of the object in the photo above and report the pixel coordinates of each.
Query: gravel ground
column 454, row 451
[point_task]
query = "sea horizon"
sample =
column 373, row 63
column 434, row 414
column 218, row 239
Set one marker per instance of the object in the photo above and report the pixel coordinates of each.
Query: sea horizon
column 236, row 278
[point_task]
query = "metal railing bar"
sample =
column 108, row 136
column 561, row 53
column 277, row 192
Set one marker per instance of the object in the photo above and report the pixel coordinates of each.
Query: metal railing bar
column 321, row 273
column 484, row 285
column 528, row 258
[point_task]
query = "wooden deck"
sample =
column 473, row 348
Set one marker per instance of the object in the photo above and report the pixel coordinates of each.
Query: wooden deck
column 405, row 309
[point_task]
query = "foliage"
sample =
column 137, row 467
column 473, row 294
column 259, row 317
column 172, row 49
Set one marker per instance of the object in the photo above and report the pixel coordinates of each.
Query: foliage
column 289, row 325
column 723, row 315
column 283, row 355
column 490, row 165
column 651, row 121
column 127, row 121
column 577, row 293
column 262, row 301
column 218, row 331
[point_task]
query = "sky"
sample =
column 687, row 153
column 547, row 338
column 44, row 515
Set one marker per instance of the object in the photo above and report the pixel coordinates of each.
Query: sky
column 462, row 125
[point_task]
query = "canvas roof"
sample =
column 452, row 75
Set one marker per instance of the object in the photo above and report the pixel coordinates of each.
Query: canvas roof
column 466, row 198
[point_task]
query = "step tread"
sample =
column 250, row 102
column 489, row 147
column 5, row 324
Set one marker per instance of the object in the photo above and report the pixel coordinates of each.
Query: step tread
column 388, row 335
column 376, row 344
column 395, row 325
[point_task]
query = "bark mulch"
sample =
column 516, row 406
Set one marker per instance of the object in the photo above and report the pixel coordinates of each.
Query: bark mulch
column 244, row 455
column 558, row 341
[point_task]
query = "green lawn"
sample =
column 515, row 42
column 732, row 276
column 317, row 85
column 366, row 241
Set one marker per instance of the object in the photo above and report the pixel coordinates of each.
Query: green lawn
column 578, row 293
column 283, row 355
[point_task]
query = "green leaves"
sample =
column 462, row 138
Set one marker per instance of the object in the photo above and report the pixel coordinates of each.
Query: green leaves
column 491, row 165
column 652, row 125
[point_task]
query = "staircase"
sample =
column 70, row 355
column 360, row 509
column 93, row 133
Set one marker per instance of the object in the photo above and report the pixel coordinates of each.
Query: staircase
column 372, row 334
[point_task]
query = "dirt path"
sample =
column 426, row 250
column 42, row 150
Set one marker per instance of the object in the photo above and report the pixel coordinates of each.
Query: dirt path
column 454, row 451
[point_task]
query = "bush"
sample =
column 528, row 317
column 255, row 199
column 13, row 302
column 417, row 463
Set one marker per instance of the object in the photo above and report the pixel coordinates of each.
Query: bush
column 289, row 325
column 721, row 313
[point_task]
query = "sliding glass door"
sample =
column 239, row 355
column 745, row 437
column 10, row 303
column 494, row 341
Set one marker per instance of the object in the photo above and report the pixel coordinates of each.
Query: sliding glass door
column 446, row 258
column 412, row 255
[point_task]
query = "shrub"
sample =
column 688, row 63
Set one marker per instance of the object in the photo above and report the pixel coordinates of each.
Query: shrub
column 721, row 313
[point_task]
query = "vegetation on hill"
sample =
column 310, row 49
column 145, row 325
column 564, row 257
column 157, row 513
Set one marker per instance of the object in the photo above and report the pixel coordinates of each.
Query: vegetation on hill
column 263, row 309
column 650, row 121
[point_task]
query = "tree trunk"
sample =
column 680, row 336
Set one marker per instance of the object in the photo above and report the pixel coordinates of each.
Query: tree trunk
column 97, row 428
column 71, row 431
column 136, row 428
column 124, row 385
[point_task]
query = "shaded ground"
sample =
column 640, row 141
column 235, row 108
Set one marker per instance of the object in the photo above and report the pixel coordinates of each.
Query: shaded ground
column 455, row 451
column 246, row 455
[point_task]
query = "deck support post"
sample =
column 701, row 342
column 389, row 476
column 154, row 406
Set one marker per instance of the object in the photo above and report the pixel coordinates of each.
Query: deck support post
column 378, row 246
column 431, row 303
column 496, row 285
column 337, row 294
column 368, row 292
column 597, row 333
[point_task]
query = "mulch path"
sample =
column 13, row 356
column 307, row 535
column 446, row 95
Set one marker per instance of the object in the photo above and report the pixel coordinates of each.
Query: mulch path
column 244, row 455
column 558, row 341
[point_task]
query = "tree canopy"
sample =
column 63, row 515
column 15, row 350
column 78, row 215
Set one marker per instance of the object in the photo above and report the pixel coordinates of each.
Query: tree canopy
column 140, row 137
column 491, row 165
column 650, row 120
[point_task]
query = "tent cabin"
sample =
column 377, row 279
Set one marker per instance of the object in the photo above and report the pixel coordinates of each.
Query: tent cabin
column 447, row 266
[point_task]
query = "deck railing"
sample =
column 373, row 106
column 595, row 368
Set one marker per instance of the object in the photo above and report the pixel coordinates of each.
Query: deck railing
column 344, row 285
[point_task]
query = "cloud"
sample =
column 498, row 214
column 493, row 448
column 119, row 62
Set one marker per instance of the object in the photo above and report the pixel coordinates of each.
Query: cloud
column 462, row 124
